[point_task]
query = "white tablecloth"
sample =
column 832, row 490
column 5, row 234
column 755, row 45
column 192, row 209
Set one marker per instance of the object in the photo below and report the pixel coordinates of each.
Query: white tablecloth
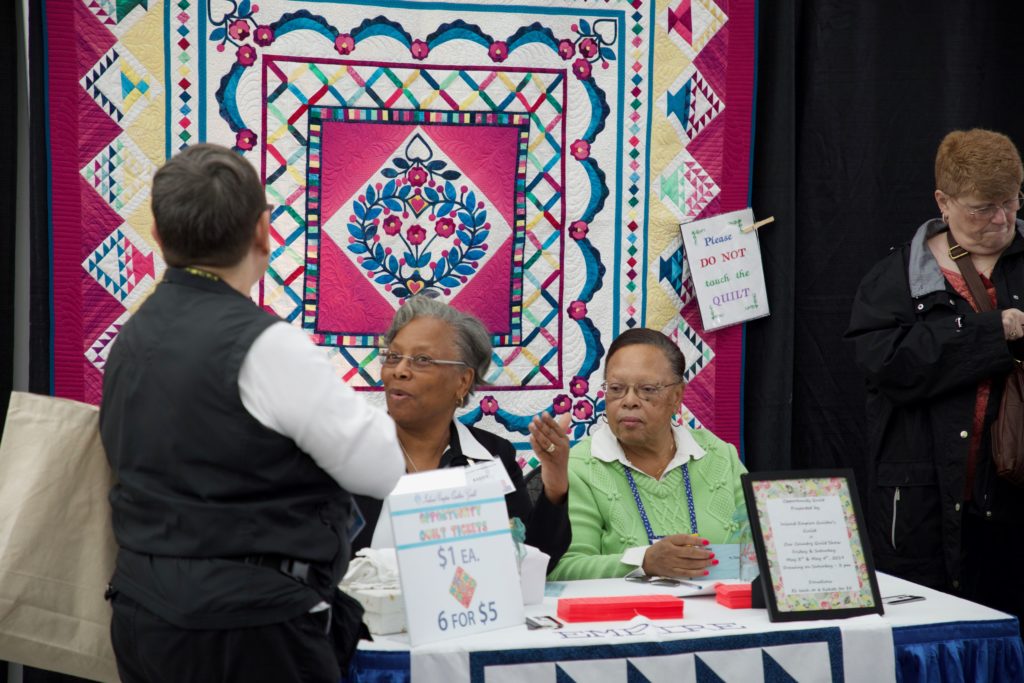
column 735, row 645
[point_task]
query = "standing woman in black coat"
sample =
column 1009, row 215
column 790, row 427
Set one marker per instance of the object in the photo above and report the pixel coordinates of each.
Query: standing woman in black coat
column 936, row 366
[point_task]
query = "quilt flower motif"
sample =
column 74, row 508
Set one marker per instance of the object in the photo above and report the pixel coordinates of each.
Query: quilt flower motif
column 344, row 44
column 263, row 36
column 581, row 69
column 419, row 49
column 580, row 149
column 239, row 29
column 245, row 139
column 498, row 51
column 246, row 55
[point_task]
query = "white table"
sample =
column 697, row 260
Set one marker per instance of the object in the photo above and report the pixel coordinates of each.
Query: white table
column 939, row 638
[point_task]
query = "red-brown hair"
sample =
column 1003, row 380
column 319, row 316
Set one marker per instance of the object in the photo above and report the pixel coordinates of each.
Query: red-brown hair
column 980, row 162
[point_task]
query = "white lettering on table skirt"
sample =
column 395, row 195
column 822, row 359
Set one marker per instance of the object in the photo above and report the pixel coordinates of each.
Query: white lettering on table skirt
column 803, row 662
column 805, row 655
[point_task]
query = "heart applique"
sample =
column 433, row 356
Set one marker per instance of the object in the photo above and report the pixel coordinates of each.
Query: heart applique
column 413, row 286
column 418, row 150
column 606, row 30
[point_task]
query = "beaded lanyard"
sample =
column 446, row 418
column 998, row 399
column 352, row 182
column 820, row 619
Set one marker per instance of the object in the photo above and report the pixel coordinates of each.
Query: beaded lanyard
column 651, row 538
column 199, row 272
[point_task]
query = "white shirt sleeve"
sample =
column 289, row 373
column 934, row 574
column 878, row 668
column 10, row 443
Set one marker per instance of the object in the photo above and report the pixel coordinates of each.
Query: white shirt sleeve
column 635, row 556
column 287, row 383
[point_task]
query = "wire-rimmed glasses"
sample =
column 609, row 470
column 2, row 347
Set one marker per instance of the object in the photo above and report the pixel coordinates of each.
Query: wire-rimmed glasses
column 988, row 212
column 661, row 581
column 613, row 391
column 419, row 361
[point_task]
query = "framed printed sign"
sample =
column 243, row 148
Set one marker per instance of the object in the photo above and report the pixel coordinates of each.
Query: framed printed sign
column 811, row 545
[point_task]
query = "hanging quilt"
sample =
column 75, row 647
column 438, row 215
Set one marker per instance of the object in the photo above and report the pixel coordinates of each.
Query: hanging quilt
column 528, row 161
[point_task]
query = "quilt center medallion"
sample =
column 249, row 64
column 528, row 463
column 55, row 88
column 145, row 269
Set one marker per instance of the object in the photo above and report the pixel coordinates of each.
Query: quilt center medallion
column 414, row 202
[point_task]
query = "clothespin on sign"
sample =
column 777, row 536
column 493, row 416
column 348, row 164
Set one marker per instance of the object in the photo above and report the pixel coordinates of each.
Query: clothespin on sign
column 754, row 226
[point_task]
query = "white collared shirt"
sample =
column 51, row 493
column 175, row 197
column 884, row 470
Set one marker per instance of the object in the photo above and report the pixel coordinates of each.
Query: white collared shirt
column 287, row 384
column 470, row 447
column 606, row 448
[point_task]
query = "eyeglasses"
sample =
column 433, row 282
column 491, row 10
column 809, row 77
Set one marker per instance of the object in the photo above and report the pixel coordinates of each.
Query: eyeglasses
column 662, row 581
column 988, row 212
column 419, row 361
column 613, row 391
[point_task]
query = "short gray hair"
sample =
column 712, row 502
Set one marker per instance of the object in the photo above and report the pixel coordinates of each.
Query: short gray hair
column 471, row 337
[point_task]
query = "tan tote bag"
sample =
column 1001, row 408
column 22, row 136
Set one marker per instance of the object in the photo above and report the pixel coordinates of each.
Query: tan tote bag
column 56, row 544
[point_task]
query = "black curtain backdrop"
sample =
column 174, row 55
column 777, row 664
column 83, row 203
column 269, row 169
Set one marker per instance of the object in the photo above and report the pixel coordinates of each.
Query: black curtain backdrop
column 853, row 99
column 39, row 207
column 8, row 193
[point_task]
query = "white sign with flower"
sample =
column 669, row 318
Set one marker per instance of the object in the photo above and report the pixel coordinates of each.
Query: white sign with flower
column 725, row 264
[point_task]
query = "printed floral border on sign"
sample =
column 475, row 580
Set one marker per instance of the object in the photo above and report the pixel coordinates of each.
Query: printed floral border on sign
column 824, row 487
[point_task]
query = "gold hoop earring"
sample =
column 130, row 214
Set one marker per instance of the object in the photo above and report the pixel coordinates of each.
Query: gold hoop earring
column 945, row 218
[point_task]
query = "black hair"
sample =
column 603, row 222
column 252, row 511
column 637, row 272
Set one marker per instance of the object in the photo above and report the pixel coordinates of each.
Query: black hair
column 644, row 335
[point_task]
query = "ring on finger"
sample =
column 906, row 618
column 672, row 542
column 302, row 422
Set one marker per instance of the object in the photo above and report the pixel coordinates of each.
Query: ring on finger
column 551, row 447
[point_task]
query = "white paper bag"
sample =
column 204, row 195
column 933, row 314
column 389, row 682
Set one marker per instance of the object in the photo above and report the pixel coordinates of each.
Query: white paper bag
column 532, row 575
column 57, row 547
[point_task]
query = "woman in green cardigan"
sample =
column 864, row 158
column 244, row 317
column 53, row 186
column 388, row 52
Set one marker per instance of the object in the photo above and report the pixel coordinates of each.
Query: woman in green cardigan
column 644, row 495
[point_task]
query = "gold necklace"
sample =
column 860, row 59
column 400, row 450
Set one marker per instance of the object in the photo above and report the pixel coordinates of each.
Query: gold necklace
column 409, row 459
column 664, row 467
column 661, row 471
column 406, row 454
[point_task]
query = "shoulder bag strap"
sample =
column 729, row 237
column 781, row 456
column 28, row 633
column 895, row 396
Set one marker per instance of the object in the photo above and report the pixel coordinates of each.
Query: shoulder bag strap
column 962, row 258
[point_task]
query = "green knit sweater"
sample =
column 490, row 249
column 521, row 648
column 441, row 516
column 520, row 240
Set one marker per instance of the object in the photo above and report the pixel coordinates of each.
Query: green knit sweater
column 604, row 517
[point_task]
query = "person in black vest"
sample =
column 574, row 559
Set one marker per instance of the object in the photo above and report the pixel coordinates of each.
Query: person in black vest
column 236, row 452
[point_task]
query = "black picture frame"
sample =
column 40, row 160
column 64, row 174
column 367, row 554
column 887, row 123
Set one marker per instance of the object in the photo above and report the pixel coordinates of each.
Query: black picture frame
column 817, row 486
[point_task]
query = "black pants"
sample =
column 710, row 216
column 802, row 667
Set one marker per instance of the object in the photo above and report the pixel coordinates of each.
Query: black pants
column 993, row 556
column 150, row 650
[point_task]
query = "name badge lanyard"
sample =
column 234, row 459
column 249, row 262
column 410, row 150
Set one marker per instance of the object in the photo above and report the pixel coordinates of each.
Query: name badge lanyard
column 651, row 537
